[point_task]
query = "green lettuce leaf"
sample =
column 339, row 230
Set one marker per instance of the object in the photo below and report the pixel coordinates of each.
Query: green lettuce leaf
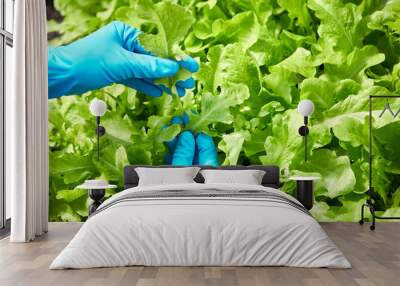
column 243, row 28
column 324, row 98
column 284, row 147
column 70, row 168
column 342, row 23
column 300, row 62
column 228, row 65
column 262, row 8
column 297, row 11
column 337, row 177
column 231, row 145
column 355, row 64
column 216, row 108
column 387, row 19
column 353, row 131
column 70, row 195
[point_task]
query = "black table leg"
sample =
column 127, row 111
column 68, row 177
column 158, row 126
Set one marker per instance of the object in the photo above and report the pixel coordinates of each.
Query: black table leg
column 305, row 193
column 96, row 195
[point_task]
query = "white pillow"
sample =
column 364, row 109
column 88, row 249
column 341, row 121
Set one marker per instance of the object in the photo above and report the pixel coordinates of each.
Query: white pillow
column 166, row 176
column 248, row 177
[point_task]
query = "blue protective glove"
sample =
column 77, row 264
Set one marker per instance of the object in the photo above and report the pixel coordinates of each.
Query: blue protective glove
column 112, row 54
column 177, row 120
column 172, row 144
column 206, row 152
column 187, row 149
column 184, row 150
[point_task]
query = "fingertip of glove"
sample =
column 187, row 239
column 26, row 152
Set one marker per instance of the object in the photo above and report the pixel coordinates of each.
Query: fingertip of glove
column 180, row 91
column 188, row 83
column 186, row 118
column 189, row 64
column 187, row 136
column 176, row 120
column 204, row 140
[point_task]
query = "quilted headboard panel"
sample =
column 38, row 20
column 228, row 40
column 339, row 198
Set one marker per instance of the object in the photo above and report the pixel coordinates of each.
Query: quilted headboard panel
column 271, row 177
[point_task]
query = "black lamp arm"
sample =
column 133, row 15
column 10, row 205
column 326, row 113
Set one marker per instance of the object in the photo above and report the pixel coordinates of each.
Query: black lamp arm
column 100, row 131
column 304, row 131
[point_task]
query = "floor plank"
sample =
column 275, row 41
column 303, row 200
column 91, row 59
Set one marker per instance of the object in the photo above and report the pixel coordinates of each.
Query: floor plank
column 375, row 257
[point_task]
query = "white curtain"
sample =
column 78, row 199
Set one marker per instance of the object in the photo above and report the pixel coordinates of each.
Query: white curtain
column 26, row 124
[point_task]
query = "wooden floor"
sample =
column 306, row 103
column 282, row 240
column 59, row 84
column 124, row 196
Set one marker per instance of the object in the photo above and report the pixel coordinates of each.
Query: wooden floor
column 375, row 257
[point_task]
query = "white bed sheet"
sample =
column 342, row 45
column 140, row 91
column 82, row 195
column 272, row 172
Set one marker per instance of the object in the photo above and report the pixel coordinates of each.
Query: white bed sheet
column 200, row 232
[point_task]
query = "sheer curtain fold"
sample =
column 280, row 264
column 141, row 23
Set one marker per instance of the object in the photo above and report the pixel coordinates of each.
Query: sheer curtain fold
column 26, row 124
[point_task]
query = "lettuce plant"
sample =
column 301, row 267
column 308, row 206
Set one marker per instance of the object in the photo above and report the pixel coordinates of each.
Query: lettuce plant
column 258, row 60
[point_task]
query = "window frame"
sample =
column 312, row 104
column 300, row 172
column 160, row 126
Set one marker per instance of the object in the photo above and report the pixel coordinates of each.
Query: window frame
column 6, row 39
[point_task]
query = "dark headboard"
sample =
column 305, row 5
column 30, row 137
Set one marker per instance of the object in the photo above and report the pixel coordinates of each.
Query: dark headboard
column 271, row 177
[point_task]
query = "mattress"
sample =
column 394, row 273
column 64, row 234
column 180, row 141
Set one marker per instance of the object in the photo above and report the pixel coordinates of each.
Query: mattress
column 201, row 225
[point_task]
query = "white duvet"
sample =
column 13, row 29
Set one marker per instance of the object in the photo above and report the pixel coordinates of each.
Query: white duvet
column 200, row 231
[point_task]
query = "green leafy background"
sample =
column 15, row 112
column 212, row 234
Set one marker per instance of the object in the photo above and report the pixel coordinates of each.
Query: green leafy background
column 258, row 58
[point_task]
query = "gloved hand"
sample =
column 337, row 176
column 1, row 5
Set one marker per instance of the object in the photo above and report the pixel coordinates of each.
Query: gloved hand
column 206, row 152
column 184, row 150
column 112, row 54
column 187, row 149
column 172, row 144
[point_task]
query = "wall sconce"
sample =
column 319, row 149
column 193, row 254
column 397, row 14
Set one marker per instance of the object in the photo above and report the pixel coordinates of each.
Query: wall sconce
column 98, row 108
column 305, row 108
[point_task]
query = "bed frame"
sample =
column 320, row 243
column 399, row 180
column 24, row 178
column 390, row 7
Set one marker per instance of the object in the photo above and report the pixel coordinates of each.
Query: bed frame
column 270, row 179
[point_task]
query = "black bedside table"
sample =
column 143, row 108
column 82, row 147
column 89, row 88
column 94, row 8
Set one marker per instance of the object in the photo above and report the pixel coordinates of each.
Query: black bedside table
column 305, row 190
column 96, row 190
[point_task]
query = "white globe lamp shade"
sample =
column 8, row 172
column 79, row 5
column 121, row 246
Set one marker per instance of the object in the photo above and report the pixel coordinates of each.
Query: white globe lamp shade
column 306, row 107
column 98, row 107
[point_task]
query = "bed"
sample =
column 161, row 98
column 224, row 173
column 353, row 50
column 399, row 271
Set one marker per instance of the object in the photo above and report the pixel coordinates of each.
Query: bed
column 197, row 224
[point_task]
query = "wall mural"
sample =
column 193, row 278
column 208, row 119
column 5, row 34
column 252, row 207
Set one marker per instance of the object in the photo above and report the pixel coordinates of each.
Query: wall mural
column 258, row 59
